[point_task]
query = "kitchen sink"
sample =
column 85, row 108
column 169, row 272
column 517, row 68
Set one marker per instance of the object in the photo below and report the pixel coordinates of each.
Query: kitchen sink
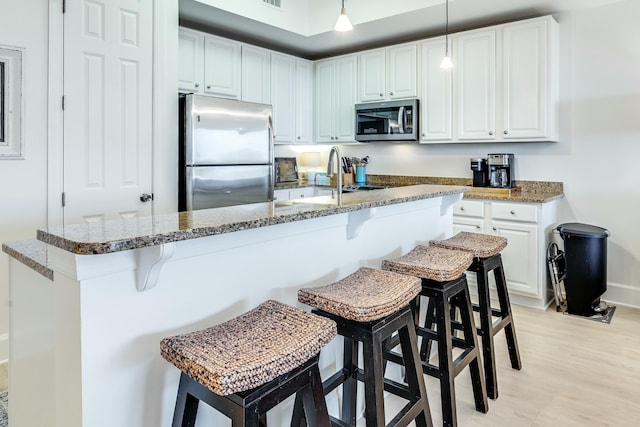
column 352, row 188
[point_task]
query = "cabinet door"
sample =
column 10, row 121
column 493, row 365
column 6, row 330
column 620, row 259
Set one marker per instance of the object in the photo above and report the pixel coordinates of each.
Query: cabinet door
column 475, row 69
column 222, row 60
column 345, row 98
column 190, row 62
column 283, row 97
column 372, row 67
column 524, row 75
column 402, row 70
column 324, row 100
column 281, row 195
column 520, row 257
column 304, row 101
column 435, row 92
column 256, row 74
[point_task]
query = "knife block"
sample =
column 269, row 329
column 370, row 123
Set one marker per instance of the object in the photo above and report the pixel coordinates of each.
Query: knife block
column 347, row 178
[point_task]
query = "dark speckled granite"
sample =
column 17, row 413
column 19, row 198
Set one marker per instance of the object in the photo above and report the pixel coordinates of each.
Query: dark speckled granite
column 132, row 233
column 529, row 191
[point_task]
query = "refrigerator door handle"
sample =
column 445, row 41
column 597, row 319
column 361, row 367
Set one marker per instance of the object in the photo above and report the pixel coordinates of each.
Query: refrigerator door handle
column 272, row 137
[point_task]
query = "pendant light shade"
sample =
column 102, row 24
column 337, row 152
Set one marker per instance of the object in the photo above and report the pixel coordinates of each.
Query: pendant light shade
column 446, row 61
column 343, row 23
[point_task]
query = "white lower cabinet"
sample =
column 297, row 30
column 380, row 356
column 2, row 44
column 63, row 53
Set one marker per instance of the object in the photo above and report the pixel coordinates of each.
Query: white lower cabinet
column 294, row 193
column 527, row 227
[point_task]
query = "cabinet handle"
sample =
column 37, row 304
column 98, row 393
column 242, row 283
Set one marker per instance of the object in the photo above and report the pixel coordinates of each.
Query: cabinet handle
column 478, row 227
column 461, row 208
column 381, row 95
column 506, row 132
column 495, row 229
column 513, row 212
column 490, row 132
column 197, row 85
column 336, row 138
column 298, row 137
column 391, row 93
column 208, row 87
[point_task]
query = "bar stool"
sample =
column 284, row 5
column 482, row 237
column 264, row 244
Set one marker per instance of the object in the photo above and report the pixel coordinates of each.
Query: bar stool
column 249, row 364
column 369, row 306
column 486, row 252
column 445, row 284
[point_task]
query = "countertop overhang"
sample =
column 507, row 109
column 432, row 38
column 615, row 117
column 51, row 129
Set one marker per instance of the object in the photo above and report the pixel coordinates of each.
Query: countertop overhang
column 133, row 233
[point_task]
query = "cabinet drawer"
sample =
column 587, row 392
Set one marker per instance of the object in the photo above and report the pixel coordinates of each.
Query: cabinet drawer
column 514, row 212
column 300, row 193
column 469, row 208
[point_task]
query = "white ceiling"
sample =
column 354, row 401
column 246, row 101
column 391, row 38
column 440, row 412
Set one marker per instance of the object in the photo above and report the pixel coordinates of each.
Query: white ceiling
column 305, row 27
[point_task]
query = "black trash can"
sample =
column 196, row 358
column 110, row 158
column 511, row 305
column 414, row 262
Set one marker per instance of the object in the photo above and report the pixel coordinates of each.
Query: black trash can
column 585, row 249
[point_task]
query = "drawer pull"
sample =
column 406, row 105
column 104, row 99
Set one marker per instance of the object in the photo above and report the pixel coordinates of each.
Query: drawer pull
column 461, row 208
column 513, row 212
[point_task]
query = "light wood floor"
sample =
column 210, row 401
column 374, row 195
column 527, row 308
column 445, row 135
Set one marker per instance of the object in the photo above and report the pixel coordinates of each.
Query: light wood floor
column 576, row 373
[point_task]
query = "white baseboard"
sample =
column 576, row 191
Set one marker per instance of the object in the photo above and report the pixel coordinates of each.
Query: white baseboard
column 620, row 294
column 4, row 348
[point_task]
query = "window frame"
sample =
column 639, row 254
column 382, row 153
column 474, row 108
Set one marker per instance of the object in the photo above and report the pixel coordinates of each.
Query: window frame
column 11, row 103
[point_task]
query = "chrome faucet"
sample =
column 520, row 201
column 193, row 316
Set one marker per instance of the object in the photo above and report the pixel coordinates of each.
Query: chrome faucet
column 335, row 150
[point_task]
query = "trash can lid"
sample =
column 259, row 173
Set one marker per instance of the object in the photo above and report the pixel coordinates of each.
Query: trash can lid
column 582, row 230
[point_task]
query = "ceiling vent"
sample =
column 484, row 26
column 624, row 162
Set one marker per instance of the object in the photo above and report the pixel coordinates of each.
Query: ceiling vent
column 274, row 3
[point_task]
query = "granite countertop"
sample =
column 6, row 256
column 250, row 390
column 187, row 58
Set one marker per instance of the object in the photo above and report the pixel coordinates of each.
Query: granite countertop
column 525, row 191
column 32, row 253
column 120, row 235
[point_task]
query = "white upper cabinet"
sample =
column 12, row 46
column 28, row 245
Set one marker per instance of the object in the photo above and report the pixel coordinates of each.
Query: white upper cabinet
column 190, row 62
column 283, row 86
column 222, row 59
column 256, row 74
column 530, row 80
column 304, row 101
column 435, row 92
column 208, row 64
column 389, row 73
column 475, row 74
column 506, row 80
column 335, row 97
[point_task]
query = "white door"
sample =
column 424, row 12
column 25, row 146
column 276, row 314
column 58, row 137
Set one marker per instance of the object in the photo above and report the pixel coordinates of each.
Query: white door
column 107, row 109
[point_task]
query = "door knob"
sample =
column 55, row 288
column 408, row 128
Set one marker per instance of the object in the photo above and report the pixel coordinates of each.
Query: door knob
column 145, row 197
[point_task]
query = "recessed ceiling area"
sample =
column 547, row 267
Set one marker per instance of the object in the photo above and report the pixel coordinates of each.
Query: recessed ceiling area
column 305, row 27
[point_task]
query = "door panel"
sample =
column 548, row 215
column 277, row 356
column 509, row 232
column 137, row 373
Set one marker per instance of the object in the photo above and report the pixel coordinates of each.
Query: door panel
column 107, row 108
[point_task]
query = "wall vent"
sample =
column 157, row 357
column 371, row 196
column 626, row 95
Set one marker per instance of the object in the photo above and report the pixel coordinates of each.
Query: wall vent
column 274, row 3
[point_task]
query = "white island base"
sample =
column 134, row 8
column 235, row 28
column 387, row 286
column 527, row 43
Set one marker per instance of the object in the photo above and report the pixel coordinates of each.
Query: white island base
column 85, row 347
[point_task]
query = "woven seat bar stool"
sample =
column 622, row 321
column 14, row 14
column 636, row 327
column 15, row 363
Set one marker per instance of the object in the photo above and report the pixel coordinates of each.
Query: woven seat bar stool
column 486, row 252
column 442, row 272
column 369, row 306
column 249, row 364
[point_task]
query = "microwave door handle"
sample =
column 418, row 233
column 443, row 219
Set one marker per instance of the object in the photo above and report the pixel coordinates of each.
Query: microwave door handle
column 401, row 120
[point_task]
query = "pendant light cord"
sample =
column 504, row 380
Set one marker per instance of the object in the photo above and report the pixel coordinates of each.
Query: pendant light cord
column 446, row 29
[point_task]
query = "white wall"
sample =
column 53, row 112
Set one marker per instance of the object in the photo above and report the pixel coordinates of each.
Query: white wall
column 598, row 156
column 23, row 183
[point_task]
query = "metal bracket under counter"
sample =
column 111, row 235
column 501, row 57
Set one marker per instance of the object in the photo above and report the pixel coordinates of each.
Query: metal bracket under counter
column 150, row 261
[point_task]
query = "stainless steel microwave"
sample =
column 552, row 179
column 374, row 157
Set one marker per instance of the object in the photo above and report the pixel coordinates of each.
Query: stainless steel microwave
column 387, row 121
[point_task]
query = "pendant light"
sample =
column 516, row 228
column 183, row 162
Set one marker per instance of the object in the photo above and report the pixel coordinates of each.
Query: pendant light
column 343, row 23
column 446, row 61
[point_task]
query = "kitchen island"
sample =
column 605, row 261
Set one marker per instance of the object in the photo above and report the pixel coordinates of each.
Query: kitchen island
column 91, row 302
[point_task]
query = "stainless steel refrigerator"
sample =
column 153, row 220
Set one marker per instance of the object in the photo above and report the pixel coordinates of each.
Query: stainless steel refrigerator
column 226, row 153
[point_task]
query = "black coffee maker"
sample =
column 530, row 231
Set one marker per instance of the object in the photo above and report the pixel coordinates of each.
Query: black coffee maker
column 480, row 172
column 501, row 170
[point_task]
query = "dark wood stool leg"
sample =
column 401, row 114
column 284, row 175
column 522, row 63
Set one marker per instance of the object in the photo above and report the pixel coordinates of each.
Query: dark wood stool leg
column 471, row 341
column 315, row 407
column 350, row 385
column 413, row 369
column 429, row 322
column 486, row 331
column 374, row 381
column 505, row 309
column 445, row 360
column 186, row 408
